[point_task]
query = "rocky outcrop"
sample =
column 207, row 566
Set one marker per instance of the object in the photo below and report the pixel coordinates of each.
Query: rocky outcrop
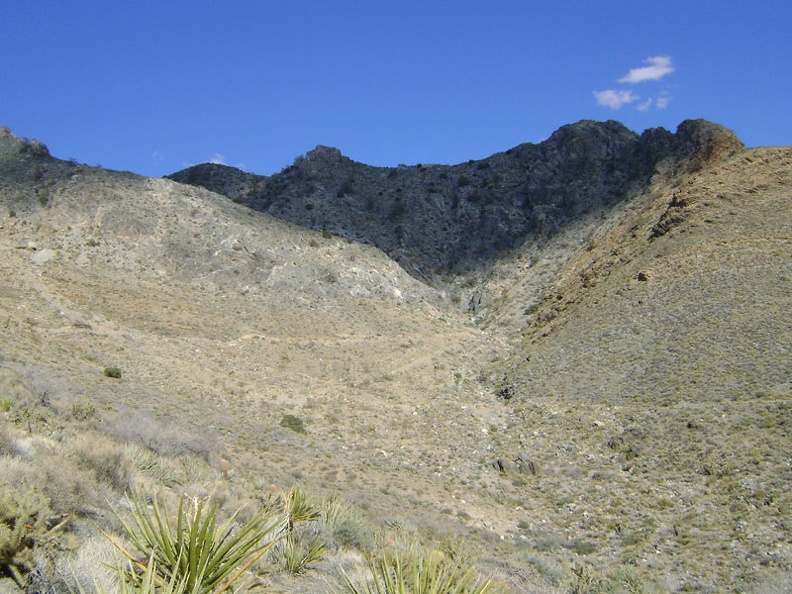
column 438, row 219
column 699, row 143
column 11, row 145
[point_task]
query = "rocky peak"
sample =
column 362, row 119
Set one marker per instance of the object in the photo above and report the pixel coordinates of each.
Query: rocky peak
column 326, row 154
column 587, row 135
column 703, row 143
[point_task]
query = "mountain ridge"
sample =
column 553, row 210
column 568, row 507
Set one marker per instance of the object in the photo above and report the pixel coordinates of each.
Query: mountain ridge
column 449, row 219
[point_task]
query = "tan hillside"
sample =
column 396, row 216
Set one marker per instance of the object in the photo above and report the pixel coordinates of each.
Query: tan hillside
column 616, row 403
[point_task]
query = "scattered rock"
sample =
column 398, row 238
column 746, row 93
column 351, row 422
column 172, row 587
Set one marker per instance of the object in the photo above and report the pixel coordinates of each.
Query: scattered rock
column 504, row 466
column 522, row 464
column 527, row 466
column 43, row 256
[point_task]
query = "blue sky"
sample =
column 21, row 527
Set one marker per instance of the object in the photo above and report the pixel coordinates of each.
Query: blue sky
column 152, row 87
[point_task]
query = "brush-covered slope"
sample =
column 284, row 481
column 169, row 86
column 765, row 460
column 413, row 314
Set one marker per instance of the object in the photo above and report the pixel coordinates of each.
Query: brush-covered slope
column 653, row 380
column 436, row 219
column 620, row 400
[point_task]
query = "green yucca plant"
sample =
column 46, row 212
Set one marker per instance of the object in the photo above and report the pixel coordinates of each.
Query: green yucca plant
column 428, row 573
column 334, row 512
column 148, row 582
column 194, row 550
column 297, row 551
column 302, row 544
column 299, row 507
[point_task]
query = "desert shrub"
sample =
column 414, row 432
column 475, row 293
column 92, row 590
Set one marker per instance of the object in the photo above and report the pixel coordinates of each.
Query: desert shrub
column 352, row 534
column 113, row 372
column 69, row 489
column 143, row 429
column 6, row 404
column 422, row 572
column 587, row 579
column 144, row 581
column 293, row 423
column 83, row 410
column 7, row 442
column 93, row 567
column 584, row 580
column 33, row 148
column 582, row 547
column 72, row 490
column 24, row 525
column 347, row 187
column 193, row 550
column 397, row 209
column 334, row 511
column 105, row 459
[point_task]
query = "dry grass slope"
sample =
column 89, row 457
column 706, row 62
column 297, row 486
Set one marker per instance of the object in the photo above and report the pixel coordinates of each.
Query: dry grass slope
column 634, row 385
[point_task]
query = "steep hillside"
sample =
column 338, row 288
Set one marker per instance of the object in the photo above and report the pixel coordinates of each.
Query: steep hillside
column 607, row 404
column 653, row 381
column 439, row 219
column 230, row 330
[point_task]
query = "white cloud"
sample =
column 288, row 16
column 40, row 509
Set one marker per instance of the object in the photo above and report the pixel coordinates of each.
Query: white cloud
column 662, row 102
column 615, row 99
column 218, row 159
column 659, row 66
column 644, row 105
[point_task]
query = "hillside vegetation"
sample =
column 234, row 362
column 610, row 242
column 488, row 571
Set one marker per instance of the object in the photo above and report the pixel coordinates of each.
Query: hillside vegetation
column 596, row 399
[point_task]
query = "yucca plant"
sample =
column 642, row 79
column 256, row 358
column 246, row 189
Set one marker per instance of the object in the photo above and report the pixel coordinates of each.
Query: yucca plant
column 194, row 550
column 428, row 573
column 298, row 550
column 334, row 512
column 302, row 544
column 149, row 582
column 299, row 507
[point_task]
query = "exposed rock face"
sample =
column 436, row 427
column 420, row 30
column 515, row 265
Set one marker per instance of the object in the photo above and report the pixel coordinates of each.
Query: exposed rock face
column 436, row 219
column 699, row 142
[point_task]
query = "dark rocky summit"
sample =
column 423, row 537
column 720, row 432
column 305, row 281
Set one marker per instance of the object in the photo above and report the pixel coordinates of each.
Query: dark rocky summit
column 438, row 219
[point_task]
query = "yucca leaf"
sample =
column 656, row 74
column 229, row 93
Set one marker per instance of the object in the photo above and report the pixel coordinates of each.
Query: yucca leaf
column 193, row 550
